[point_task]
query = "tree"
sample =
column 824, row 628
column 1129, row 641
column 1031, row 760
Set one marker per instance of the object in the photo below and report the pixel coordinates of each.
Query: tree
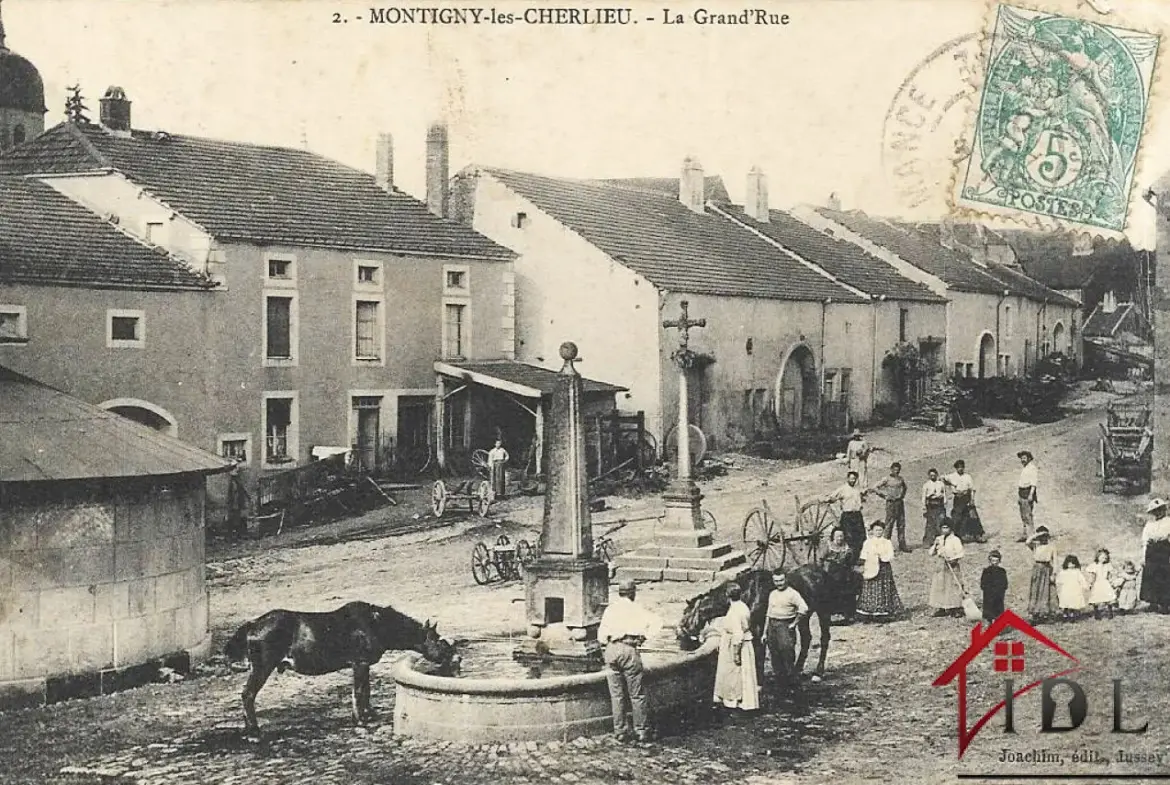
column 75, row 108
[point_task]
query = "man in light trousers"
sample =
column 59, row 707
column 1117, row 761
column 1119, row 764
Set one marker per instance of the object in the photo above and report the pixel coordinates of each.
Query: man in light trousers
column 1026, row 491
column 624, row 627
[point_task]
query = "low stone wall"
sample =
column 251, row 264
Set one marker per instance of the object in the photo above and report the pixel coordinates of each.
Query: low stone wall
column 99, row 586
column 547, row 709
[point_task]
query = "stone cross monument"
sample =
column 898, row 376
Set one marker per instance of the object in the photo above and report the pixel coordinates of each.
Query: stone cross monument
column 683, row 549
column 566, row 585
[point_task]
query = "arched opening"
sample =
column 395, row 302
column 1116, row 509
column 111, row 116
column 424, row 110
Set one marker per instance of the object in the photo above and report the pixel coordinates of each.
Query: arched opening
column 986, row 355
column 144, row 413
column 1058, row 344
column 797, row 391
column 17, row 134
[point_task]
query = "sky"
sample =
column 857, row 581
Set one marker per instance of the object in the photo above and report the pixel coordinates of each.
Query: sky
column 806, row 101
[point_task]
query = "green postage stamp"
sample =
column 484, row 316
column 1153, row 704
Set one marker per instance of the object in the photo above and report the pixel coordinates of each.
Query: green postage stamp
column 1060, row 119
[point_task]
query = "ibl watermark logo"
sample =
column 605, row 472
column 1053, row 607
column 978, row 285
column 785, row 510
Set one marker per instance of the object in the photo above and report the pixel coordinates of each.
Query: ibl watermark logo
column 1009, row 658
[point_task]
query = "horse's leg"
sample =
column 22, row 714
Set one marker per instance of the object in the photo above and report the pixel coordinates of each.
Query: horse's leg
column 805, row 642
column 822, row 620
column 362, row 712
column 263, row 662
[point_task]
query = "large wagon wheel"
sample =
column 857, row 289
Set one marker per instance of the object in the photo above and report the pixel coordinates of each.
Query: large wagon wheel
column 709, row 521
column 484, row 496
column 763, row 540
column 698, row 443
column 479, row 462
column 438, row 498
column 481, row 564
column 815, row 521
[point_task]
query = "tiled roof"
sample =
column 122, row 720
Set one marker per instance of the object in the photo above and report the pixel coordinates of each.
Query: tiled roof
column 531, row 376
column 713, row 188
column 1103, row 325
column 48, row 435
column 1049, row 257
column 47, row 238
column 674, row 248
column 844, row 261
column 256, row 194
column 956, row 270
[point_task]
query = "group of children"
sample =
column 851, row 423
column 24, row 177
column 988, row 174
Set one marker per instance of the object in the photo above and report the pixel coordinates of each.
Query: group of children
column 1100, row 586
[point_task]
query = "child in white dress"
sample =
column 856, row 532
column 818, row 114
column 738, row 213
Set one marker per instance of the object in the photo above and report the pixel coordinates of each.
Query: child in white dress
column 1071, row 588
column 1102, row 595
column 1126, row 584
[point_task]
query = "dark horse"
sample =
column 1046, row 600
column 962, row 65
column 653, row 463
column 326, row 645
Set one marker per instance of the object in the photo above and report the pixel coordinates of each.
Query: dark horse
column 356, row 635
column 813, row 583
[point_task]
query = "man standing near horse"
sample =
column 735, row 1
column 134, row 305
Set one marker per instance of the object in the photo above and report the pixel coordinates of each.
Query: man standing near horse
column 624, row 627
column 786, row 608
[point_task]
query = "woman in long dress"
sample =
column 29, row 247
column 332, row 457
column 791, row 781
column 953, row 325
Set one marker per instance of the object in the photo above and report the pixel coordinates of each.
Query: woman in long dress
column 1155, row 583
column 879, row 600
column 946, row 589
column 1041, row 601
column 840, row 562
column 735, row 671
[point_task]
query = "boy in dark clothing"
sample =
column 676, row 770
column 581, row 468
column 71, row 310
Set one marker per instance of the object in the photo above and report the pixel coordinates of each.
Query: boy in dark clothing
column 994, row 583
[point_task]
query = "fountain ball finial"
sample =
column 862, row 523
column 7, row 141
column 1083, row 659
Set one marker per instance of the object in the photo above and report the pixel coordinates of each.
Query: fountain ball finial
column 568, row 351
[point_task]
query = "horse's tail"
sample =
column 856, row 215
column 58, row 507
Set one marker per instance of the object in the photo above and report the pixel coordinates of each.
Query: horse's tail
column 236, row 648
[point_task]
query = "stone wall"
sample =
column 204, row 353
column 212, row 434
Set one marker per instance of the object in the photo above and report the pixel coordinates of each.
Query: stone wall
column 99, row 586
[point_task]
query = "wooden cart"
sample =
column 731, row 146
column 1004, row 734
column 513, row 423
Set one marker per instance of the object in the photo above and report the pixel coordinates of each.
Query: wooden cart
column 770, row 544
column 1126, row 449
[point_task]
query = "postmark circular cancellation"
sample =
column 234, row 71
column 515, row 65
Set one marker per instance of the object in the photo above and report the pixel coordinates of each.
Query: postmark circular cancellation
column 923, row 136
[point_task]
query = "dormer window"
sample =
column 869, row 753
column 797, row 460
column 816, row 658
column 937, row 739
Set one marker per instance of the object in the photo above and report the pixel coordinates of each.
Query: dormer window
column 154, row 231
column 280, row 270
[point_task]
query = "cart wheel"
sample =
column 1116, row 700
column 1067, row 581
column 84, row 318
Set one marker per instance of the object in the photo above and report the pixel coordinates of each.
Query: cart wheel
column 709, row 521
column 479, row 462
column 605, row 551
column 481, row 564
column 763, row 540
column 525, row 554
column 438, row 498
column 484, row 498
column 815, row 522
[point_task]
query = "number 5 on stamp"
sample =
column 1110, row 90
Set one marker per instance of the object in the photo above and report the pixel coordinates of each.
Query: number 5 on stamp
column 1060, row 119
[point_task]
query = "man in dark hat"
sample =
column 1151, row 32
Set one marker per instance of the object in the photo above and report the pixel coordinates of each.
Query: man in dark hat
column 624, row 627
column 1029, row 479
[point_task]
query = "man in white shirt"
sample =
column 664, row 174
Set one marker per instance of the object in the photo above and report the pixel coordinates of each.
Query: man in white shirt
column 497, row 465
column 934, row 506
column 1026, row 490
column 857, row 454
column 785, row 610
column 966, row 521
column 852, row 523
column 624, row 627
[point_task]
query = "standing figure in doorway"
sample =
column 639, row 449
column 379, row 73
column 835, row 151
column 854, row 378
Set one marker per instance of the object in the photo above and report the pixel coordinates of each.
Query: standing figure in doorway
column 1026, row 489
column 966, row 521
column 497, row 465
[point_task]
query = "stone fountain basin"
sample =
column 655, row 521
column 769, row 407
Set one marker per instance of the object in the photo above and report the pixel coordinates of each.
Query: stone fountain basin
column 554, row 708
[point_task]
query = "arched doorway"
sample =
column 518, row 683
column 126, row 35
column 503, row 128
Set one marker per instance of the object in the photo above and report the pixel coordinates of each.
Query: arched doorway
column 986, row 355
column 1058, row 338
column 797, row 391
column 144, row 413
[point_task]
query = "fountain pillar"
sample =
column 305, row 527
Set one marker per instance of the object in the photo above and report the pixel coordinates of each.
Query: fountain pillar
column 566, row 585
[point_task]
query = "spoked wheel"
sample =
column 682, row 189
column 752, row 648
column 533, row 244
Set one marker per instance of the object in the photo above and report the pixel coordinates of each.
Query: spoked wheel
column 439, row 498
column 709, row 522
column 698, row 443
column 648, row 449
column 763, row 540
column 814, row 522
column 484, row 496
column 525, row 553
column 481, row 564
column 479, row 462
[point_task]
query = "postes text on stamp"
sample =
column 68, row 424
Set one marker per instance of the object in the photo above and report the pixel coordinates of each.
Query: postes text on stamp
column 1060, row 118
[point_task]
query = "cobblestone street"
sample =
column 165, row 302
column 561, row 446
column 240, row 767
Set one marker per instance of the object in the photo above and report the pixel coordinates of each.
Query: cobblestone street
column 876, row 696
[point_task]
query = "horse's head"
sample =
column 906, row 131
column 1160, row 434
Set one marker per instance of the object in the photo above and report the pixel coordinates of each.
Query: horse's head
column 439, row 650
column 698, row 612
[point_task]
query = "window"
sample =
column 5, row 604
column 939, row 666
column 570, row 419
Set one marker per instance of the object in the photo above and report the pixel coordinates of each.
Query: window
column 520, row 220
column 830, row 391
column 455, row 330
column 959, row 370
column 846, row 384
column 367, row 331
column 970, row 370
column 13, row 324
column 903, row 323
column 456, row 412
column 154, row 231
column 236, row 447
column 281, row 271
column 278, row 328
column 1007, row 322
column 367, row 274
column 280, row 428
column 125, row 329
column 456, row 280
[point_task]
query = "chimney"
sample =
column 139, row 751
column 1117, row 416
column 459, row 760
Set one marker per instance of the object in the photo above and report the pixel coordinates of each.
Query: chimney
column 384, row 163
column 755, row 200
column 115, row 110
column 692, row 186
column 437, row 163
column 834, row 202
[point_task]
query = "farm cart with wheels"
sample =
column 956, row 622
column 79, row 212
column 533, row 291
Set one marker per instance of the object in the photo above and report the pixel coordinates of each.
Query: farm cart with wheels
column 1126, row 449
column 770, row 544
column 476, row 494
column 501, row 561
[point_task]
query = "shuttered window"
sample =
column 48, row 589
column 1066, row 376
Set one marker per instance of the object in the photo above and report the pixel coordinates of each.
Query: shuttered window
column 366, row 344
column 279, row 337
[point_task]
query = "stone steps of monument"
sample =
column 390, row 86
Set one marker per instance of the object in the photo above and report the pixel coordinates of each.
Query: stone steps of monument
column 678, row 552
column 647, row 566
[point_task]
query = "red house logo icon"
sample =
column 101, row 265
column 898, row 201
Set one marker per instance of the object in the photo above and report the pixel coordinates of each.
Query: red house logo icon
column 1008, row 659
